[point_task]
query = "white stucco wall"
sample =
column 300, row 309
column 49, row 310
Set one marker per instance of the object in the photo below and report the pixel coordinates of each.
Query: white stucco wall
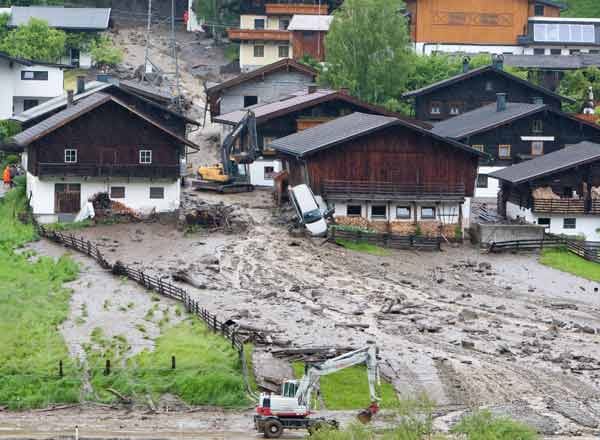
column 249, row 62
column 493, row 184
column 47, row 89
column 424, row 48
column 257, row 171
column 137, row 194
column 6, row 90
column 193, row 24
column 588, row 225
column 85, row 60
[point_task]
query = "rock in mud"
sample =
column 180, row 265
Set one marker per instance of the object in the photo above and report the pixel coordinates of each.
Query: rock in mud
column 574, row 411
column 467, row 344
column 467, row 315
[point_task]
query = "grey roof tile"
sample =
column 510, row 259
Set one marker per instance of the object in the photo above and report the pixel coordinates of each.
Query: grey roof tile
column 568, row 157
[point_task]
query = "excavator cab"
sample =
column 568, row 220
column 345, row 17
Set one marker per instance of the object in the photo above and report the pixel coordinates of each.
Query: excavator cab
column 289, row 388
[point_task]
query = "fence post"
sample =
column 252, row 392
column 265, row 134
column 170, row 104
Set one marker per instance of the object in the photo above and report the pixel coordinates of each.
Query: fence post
column 233, row 333
column 107, row 367
column 215, row 322
column 60, row 368
column 172, row 362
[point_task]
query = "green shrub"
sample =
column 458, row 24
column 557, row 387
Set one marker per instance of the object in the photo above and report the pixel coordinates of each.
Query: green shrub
column 482, row 425
column 105, row 53
column 418, row 231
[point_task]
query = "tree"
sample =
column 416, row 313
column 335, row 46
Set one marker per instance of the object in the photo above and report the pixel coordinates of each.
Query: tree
column 4, row 19
column 35, row 41
column 104, row 53
column 368, row 51
column 575, row 85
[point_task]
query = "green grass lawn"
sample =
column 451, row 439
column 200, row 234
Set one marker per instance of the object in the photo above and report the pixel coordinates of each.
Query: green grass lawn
column 33, row 304
column 566, row 261
column 349, row 389
column 360, row 246
column 208, row 369
column 582, row 8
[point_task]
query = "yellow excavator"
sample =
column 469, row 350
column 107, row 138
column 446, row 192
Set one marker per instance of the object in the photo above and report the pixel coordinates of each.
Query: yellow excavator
column 225, row 177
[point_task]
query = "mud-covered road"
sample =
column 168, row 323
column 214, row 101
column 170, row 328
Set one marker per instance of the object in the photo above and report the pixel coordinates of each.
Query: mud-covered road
column 468, row 329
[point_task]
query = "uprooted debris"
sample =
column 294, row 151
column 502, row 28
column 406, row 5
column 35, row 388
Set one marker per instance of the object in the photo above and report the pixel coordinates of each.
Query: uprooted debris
column 310, row 354
column 214, row 216
column 104, row 207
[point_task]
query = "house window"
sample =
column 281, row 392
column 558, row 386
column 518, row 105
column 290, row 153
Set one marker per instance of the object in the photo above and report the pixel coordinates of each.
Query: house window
column 378, row 211
column 539, row 10
column 70, row 155
column 250, row 100
column 283, row 24
column 31, row 75
column 117, row 192
column 259, row 51
column 544, row 221
column 353, row 210
column 436, row 108
column 145, row 156
column 455, row 108
column 489, row 86
column 403, row 212
column 555, row 51
column 569, row 223
column 269, row 172
column 284, row 51
column 482, row 181
column 427, row 212
column 539, row 51
column 575, row 51
column 594, row 51
column 537, row 148
column 29, row 103
column 537, row 126
column 157, row 192
column 504, row 151
column 478, row 147
column 259, row 23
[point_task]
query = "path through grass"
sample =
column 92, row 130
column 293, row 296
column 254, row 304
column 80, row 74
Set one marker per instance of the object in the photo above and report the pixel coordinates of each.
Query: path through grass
column 566, row 261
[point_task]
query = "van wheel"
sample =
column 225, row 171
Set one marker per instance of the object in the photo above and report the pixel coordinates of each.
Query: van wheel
column 273, row 429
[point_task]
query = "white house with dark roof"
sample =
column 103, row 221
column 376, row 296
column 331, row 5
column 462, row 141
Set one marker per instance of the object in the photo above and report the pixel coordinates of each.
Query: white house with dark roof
column 26, row 83
column 68, row 20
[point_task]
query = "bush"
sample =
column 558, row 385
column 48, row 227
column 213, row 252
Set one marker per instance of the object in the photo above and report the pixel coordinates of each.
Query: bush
column 482, row 425
column 8, row 129
column 104, row 53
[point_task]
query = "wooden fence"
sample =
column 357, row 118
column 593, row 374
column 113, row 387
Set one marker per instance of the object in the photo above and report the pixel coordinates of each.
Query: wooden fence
column 387, row 240
column 160, row 286
column 590, row 250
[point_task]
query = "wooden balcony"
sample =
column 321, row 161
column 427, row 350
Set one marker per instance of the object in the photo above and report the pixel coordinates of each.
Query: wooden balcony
column 258, row 35
column 104, row 170
column 566, row 206
column 295, row 8
column 386, row 191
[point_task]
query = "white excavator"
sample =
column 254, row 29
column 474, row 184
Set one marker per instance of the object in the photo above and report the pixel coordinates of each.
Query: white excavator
column 291, row 409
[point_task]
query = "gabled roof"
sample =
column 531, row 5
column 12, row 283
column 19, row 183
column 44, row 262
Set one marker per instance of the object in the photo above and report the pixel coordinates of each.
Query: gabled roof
column 480, row 71
column 483, row 118
column 285, row 64
column 310, row 23
column 345, row 128
column 62, row 18
column 568, row 157
column 77, row 110
column 26, row 62
column 301, row 100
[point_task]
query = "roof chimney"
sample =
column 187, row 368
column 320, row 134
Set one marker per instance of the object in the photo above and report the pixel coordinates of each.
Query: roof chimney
column 498, row 61
column 69, row 98
column 466, row 64
column 500, row 102
column 80, row 84
column 312, row 88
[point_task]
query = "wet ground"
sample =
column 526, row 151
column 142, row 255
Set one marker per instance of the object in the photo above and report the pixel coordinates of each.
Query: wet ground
column 467, row 328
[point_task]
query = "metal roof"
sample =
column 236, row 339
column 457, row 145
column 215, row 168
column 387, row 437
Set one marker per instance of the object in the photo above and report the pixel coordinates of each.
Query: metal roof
column 346, row 128
column 310, row 23
column 550, row 163
column 479, row 71
column 26, row 62
column 483, row 118
column 62, row 18
column 78, row 109
column 553, row 62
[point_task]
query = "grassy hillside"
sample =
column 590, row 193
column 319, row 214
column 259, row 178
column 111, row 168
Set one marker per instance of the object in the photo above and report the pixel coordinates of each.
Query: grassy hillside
column 582, row 8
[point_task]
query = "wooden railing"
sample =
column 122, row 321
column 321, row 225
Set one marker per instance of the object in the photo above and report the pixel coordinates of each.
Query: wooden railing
column 559, row 206
column 295, row 8
column 114, row 170
column 387, row 240
column 258, row 34
column 385, row 191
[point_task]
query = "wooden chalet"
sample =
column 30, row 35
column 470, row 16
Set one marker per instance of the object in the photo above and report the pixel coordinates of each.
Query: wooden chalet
column 560, row 190
column 476, row 88
column 383, row 173
column 100, row 145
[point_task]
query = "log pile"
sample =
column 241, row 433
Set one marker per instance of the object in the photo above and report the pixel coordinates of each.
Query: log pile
column 545, row 192
column 104, row 207
column 310, row 354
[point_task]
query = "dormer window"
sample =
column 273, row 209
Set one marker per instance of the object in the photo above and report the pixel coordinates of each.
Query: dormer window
column 539, row 10
column 70, row 155
column 146, row 157
column 436, row 108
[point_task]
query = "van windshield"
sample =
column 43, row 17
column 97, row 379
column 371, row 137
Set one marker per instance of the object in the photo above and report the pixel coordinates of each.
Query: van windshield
column 312, row 216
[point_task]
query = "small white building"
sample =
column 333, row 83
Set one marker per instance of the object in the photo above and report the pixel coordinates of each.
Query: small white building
column 26, row 83
column 99, row 144
column 560, row 190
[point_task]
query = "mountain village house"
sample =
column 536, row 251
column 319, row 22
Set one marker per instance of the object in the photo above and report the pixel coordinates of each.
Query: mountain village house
column 100, row 144
column 384, row 173
column 511, row 132
column 560, row 191
column 71, row 20
column 27, row 83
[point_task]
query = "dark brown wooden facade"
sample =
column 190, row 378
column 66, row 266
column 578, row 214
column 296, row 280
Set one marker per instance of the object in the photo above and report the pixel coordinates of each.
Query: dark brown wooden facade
column 308, row 43
column 396, row 155
column 108, row 140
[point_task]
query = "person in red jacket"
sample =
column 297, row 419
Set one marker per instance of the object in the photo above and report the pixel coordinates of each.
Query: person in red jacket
column 7, row 176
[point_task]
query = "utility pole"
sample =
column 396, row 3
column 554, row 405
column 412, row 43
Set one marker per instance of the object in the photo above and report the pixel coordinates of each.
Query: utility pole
column 177, row 94
column 148, row 26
